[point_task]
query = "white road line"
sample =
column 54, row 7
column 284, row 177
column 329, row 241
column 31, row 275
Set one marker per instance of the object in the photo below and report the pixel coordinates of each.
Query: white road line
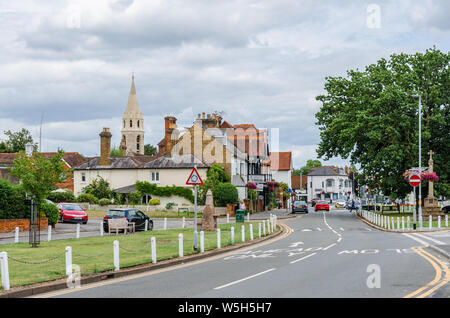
column 329, row 246
column 431, row 239
column 339, row 239
column 306, row 230
column 416, row 239
column 342, row 229
column 300, row 259
column 244, row 279
column 319, row 229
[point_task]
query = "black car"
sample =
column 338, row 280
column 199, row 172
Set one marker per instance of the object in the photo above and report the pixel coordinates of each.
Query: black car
column 446, row 208
column 132, row 215
column 300, row 206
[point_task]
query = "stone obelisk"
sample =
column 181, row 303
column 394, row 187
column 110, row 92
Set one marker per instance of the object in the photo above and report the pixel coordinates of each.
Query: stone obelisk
column 431, row 206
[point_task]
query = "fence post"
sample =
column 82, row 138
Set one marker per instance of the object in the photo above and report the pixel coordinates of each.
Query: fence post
column 264, row 227
column 408, row 222
column 101, row 228
column 68, row 261
column 420, row 223
column 153, row 250
column 403, row 223
column 393, row 223
column 398, row 223
column 251, row 232
column 430, row 222
column 146, row 225
column 4, row 270
column 259, row 229
column 16, row 236
column 49, row 233
column 439, row 221
column 165, row 223
column 243, row 233
column 184, row 222
column 228, row 218
column 116, row 255
column 389, row 222
column 232, row 235
column 248, row 217
column 180, row 245
column 78, row 230
column 202, row 241
column 218, row 238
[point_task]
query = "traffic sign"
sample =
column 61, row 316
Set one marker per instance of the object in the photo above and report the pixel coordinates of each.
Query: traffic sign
column 194, row 178
column 414, row 179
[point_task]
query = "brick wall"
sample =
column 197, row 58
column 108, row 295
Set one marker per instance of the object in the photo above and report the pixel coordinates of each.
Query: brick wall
column 7, row 226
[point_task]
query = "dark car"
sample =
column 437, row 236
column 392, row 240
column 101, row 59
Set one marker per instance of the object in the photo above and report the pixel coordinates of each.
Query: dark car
column 314, row 201
column 132, row 215
column 300, row 206
column 446, row 208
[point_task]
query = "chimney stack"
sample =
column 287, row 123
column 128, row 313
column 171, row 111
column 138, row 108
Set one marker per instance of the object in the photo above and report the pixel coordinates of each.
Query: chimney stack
column 171, row 134
column 105, row 147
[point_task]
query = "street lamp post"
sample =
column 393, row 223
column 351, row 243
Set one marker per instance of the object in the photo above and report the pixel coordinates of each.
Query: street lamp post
column 420, row 153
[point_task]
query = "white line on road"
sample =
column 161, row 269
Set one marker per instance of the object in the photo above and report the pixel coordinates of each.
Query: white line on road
column 329, row 246
column 431, row 239
column 342, row 229
column 416, row 239
column 339, row 239
column 300, row 259
column 243, row 279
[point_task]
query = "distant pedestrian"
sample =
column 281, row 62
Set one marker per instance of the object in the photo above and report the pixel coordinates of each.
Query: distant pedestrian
column 352, row 206
column 242, row 205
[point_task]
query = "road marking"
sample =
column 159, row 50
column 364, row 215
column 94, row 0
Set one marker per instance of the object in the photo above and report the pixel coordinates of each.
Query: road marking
column 244, row 279
column 416, row 239
column 300, row 259
column 433, row 285
column 342, row 229
column 319, row 229
column 429, row 238
column 339, row 239
column 329, row 246
column 306, row 230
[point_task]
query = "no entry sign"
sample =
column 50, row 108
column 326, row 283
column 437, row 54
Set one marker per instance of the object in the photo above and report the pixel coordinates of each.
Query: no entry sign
column 414, row 180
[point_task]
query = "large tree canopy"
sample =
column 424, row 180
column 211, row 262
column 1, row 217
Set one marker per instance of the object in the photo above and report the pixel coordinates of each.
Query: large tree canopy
column 371, row 117
column 307, row 168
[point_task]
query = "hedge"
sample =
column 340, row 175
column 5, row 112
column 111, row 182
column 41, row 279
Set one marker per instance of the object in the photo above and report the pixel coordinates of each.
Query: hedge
column 12, row 201
column 152, row 189
column 226, row 193
column 51, row 212
column 87, row 197
column 66, row 196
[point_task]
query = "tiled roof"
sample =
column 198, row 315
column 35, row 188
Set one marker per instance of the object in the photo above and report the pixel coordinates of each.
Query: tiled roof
column 323, row 171
column 73, row 159
column 280, row 161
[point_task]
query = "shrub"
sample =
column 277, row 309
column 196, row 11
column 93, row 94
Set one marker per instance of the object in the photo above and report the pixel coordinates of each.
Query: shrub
column 170, row 205
column 12, row 201
column 135, row 198
column 154, row 202
column 87, row 197
column 104, row 202
column 226, row 193
column 153, row 189
column 99, row 188
column 66, row 196
column 51, row 212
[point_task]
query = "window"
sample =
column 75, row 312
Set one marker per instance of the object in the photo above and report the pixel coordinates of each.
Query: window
column 138, row 146
column 131, row 123
column 138, row 123
column 155, row 176
column 329, row 183
column 83, row 177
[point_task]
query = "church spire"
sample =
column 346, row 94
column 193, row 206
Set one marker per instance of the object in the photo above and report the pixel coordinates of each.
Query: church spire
column 133, row 105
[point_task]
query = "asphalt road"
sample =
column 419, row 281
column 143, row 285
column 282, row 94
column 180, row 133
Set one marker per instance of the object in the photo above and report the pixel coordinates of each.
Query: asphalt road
column 324, row 254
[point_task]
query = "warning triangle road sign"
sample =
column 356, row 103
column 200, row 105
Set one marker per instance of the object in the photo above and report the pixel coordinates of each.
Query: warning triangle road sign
column 194, row 178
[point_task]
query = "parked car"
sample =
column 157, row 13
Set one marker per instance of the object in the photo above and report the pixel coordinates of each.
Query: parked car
column 300, row 206
column 72, row 212
column 446, row 208
column 132, row 215
column 322, row 205
column 314, row 201
column 340, row 204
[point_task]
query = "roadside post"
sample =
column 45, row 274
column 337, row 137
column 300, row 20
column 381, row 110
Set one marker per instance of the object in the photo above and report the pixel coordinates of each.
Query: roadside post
column 218, row 239
column 202, row 242
column 180, row 245
column 4, row 270
column 116, row 255
column 195, row 179
column 16, row 235
column 49, row 233
column 101, row 228
column 153, row 250
column 414, row 181
column 68, row 261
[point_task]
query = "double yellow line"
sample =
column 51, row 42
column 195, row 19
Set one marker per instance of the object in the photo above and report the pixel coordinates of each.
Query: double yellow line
column 441, row 278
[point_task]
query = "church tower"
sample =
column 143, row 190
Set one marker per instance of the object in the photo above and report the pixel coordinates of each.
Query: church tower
column 132, row 126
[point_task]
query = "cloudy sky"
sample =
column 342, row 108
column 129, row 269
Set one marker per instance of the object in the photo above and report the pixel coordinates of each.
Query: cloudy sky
column 260, row 62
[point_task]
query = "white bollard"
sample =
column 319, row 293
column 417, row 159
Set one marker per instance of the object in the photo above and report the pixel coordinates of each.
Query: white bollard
column 153, row 250
column 403, row 223
column 264, row 227
column 184, row 222
column 218, row 238
column 439, row 221
column 180, row 245
column 446, row 221
column 248, row 217
column 101, row 228
column 389, row 222
column 251, row 232
column 430, row 222
column 228, row 218
column 78, row 230
column 68, row 261
column 202, row 241
column 16, row 235
column 4, row 270
column 116, row 255
column 243, row 233
column 259, row 230
column 408, row 222
column 232, row 235
column 420, row 223
column 146, row 225
column 393, row 224
column 165, row 223
column 398, row 223
column 49, row 233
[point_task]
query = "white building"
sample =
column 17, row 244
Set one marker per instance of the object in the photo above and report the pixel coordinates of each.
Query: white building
column 329, row 183
column 281, row 167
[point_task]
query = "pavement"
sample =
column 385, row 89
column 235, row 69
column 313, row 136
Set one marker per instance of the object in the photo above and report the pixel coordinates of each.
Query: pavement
column 322, row 254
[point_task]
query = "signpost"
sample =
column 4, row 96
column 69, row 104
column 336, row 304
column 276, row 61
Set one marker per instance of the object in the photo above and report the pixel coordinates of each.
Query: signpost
column 414, row 181
column 195, row 179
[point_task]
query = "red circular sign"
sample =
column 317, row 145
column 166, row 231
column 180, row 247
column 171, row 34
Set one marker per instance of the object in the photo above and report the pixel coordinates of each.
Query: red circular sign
column 414, row 180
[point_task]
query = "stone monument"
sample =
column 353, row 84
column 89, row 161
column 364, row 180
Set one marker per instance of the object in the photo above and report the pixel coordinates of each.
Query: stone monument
column 209, row 219
column 431, row 206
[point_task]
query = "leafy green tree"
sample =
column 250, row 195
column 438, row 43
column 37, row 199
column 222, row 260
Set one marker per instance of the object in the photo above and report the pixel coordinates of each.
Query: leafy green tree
column 307, row 168
column 150, row 150
column 215, row 176
column 116, row 152
column 51, row 212
column 4, row 147
column 99, row 188
column 38, row 174
column 371, row 117
column 225, row 193
column 18, row 140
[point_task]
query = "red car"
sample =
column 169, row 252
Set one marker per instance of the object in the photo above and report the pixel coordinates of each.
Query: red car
column 72, row 212
column 322, row 205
